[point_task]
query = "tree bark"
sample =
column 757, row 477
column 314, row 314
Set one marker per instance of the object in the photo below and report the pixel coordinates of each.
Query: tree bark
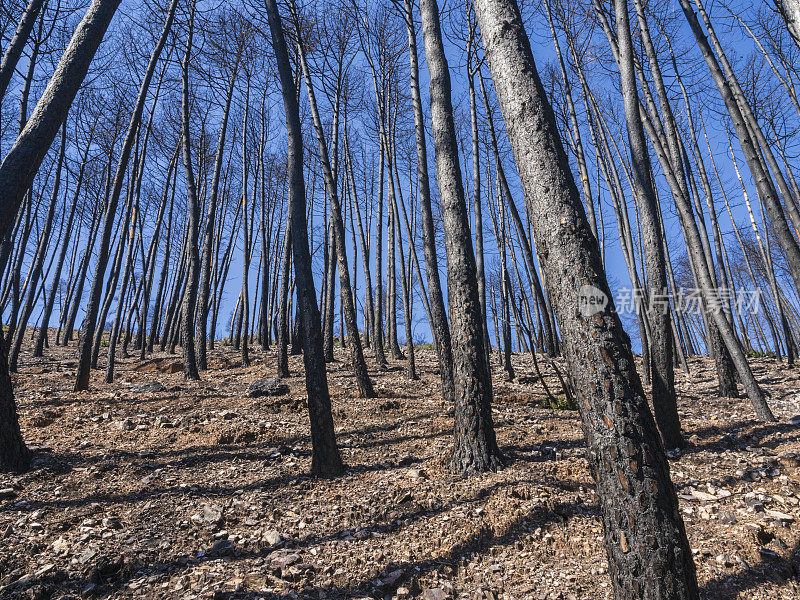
column 17, row 44
column 648, row 552
column 476, row 447
column 193, row 217
column 325, row 458
column 440, row 325
column 658, row 308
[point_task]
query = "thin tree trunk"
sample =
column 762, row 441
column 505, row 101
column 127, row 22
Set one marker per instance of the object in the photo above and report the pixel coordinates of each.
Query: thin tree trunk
column 476, row 447
column 325, row 458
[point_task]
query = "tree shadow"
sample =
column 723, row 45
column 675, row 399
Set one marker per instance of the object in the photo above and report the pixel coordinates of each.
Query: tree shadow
column 484, row 539
column 770, row 569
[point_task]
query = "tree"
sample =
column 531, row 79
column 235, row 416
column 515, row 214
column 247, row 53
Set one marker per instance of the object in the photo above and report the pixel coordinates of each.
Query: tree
column 193, row 212
column 644, row 532
column 93, row 306
column 358, row 363
column 789, row 11
column 17, row 44
column 19, row 168
column 325, row 458
column 475, row 444
column 660, row 355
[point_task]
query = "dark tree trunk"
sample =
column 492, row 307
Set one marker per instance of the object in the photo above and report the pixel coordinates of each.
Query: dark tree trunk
column 359, row 365
column 193, row 218
column 87, row 335
column 38, row 259
column 208, row 235
column 283, row 310
column 475, row 443
column 325, row 458
column 648, row 552
column 17, row 44
column 19, row 169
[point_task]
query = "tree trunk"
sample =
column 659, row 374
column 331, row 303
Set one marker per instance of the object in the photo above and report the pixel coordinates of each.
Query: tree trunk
column 87, row 335
column 19, row 169
column 658, row 308
column 439, row 326
column 648, row 552
column 193, row 217
column 359, row 365
column 325, row 458
column 17, row 44
column 476, row 447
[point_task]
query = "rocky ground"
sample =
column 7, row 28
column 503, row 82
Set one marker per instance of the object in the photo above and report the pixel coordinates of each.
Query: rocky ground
column 153, row 487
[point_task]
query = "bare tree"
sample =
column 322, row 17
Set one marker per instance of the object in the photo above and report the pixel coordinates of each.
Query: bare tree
column 626, row 457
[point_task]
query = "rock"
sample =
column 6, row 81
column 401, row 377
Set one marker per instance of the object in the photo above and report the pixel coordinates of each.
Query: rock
column 149, row 387
column 163, row 422
column 391, row 579
column 273, row 538
column 436, row 593
column 89, row 589
column 7, row 493
column 703, row 496
column 269, row 386
column 281, row 561
column 60, row 546
column 209, row 515
column 221, row 548
column 417, row 474
column 87, row 555
column 725, row 560
column 112, row 523
column 44, row 570
column 105, row 568
column 779, row 516
column 126, row 425
column 795, row 420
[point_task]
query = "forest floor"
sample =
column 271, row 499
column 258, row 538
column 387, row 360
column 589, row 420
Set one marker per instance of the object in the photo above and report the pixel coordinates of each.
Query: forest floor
column 199, row 491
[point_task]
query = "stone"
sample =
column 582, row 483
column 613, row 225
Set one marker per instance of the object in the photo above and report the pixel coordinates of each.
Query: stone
column 149, row 387
column 269, row 386
column 436, row 593
column 391, row 579
column 703, row 496
column 221, row 548
column 779, row 516
column 44, row 570
column 282, row 562
column 209, row 515
column 417, row 474
column 273, row 538
column 104, row 568
column 112, row 523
